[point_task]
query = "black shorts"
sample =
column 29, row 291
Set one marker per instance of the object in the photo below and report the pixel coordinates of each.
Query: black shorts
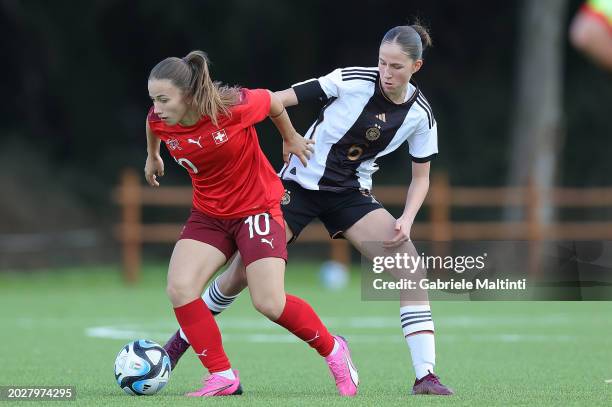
column 337, row 210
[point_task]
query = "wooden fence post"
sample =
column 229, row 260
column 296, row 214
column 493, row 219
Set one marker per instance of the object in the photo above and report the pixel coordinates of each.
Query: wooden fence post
column 131, row 239
column 534, row 227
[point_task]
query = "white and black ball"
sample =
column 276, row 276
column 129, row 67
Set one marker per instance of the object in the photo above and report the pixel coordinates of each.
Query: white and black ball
column 142, row 368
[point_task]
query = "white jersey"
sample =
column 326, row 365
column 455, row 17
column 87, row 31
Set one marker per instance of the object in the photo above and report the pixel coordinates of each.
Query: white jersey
column 357, row 125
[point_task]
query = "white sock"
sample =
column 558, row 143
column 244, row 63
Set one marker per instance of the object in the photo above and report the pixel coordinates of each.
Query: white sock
column 416, row 318
column 215, row 300
column 423, row 351
column 183, row 336
column 336, row 347
column 228, row 374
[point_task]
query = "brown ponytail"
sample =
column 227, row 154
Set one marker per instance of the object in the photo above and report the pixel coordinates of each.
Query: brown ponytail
column 192, row 76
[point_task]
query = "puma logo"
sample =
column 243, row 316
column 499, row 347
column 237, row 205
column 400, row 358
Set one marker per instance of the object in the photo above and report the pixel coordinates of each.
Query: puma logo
column 263, row 240
column 315, row 337
column 352, row 371
column 203, row 354
column 192, row 141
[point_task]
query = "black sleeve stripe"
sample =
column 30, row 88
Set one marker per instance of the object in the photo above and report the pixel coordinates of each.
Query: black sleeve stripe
column 426, row 111
column 429, row 118
column 351, row 71
column 366, row 70
column 362, row 79
column 422, row 160
column 425, row 104
column 369, row 75
column 309, row 91
column 423, row 99
column 355, row 77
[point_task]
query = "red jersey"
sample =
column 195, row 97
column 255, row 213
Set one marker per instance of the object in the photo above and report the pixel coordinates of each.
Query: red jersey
column 231, row 176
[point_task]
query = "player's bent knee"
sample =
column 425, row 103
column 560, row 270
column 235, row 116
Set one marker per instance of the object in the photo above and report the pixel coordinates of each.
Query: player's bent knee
column 180, row 294
column 270, row 307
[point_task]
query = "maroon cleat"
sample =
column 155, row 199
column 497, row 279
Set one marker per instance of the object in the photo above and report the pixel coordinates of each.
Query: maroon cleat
column 175, row 348
column 430, row 384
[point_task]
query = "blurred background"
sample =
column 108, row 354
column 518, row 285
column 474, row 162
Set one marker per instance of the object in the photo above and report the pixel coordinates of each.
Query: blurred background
column 514, row 101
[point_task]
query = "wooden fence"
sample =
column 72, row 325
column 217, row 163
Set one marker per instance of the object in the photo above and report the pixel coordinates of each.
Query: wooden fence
column 132, row 194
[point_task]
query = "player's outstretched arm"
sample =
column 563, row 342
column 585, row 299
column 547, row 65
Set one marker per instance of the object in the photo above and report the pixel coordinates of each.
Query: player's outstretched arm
column 287, row 97
column 154, row 166
column 293, row 142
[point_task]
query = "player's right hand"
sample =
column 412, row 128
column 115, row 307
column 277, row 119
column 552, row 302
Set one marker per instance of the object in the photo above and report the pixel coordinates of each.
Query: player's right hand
column 154, row 167
column 299, row 146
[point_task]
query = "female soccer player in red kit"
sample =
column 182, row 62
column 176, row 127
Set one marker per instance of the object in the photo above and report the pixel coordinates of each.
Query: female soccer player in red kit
column 208, row 129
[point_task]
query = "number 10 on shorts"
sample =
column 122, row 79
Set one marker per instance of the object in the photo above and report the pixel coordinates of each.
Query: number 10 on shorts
column 254, row 222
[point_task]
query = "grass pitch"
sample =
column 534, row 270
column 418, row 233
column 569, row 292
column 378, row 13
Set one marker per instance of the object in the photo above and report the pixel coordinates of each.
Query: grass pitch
column 65, row 327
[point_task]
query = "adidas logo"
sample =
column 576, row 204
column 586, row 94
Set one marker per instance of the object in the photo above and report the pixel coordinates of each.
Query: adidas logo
column 381, row 117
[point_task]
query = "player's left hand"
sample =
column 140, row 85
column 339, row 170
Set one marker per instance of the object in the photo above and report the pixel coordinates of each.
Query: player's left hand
column 402, row 233
column 299, row 146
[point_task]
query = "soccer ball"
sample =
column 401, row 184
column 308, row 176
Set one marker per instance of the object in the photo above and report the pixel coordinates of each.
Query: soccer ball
column 142, row 368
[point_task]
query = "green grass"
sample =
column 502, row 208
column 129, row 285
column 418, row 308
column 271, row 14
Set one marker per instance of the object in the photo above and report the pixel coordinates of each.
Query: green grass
column 491, row 353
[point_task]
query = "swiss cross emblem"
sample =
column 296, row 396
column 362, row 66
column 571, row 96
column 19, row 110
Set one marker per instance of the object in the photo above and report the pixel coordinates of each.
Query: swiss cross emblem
column 173, row 144
column 220, row 136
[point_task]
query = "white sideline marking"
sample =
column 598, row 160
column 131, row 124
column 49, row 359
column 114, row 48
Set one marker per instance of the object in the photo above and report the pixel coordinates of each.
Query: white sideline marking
column 115, row 332
column 336, row 323
column 609, row 381
column 119, row 332
column 374, row 322
column 253, row 327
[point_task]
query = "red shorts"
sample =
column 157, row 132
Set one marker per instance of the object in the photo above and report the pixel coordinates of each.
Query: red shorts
column 255, row 237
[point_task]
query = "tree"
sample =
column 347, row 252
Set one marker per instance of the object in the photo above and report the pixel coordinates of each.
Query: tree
column 537, row 130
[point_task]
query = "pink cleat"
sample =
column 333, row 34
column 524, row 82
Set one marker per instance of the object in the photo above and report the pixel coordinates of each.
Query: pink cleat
column 342, row 369
column 216, row 385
